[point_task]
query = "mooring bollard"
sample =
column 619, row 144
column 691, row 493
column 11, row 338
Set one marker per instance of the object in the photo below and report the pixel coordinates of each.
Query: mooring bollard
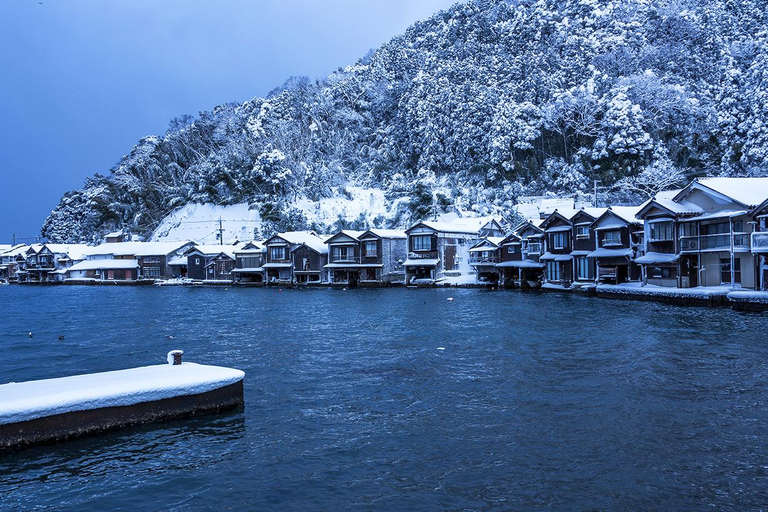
column 174, row 357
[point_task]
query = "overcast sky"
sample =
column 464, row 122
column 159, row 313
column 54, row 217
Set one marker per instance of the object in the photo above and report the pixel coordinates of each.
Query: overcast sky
column 84, row 80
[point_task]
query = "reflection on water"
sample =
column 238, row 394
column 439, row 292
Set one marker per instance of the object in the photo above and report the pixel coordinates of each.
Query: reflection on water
column 537, row 400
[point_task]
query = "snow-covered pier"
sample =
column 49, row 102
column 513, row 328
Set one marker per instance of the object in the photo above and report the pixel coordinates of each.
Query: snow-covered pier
column 51, row 410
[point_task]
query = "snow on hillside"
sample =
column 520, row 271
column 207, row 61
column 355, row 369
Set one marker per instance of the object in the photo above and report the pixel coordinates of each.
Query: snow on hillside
column 366, row 202
column 200, row 222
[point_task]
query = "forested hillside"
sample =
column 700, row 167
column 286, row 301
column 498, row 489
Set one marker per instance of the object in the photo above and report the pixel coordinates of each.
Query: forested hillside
column 473, row 108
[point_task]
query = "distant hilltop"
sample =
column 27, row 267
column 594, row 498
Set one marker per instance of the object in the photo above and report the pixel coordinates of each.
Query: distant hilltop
column 468, row 110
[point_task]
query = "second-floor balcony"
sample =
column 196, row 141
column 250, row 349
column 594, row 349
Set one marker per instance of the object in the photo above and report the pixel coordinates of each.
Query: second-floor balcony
column 532, row 248
column 717, row 242
column 479, row 259
column 760, row 242
column 344, row 258
column 424, row 255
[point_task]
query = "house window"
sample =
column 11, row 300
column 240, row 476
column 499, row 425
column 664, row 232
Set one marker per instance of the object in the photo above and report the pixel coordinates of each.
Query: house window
column 277, row 253
column 371, row 249
column 421, row 242
column 661, row 232
column 559, row 240
column 512, row 249
column 343, row 253
column 582, row 231
column 725, row 270
column 583, row 268
column 689, row 229
column 197, row 261
column 664, row 272
column 612, row 238
column 553, row 271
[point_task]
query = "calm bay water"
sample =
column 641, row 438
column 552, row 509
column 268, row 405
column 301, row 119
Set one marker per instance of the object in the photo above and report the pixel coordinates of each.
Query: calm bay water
column 536, row 401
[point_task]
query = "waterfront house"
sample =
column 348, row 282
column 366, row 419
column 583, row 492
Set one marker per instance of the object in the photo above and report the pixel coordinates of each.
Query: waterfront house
column 383, row 252
column 152, row 259
column 213, row 262
column 441, row 249
column 618, row 237
column 249, row 261
column 11, row 261
column 295, row 256
column 366, row 258
column 220, row 267
column 557, row 257
column 103, row 269
column 483, row 257
column 344, row 258
column 700, row 235
column 584, row 239
column 522, row 268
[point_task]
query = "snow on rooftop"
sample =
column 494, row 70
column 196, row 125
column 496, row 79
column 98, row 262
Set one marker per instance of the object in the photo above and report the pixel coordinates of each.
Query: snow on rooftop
column 748, row 191
column 388, row 233
column 307, row 238
column 626, row 213
column 108, row 264
column 137, row 248
column 36, row 399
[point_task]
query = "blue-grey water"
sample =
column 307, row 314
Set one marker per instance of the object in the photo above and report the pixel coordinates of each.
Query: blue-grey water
column 537, row 401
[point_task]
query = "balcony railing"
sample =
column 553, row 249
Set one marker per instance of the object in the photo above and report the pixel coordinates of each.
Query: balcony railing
column 430, row 255
column 718, row 242
column 533, row 249
column 476, row 260
column 760, row 242
column 611, row 242
column 344, row 258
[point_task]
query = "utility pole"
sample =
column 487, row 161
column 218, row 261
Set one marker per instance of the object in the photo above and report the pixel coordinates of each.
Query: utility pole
column 221, row 233
column 14, row 239
column 594, row 201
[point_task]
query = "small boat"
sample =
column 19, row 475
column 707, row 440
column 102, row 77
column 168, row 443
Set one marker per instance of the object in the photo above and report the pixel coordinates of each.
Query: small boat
column 52, row 410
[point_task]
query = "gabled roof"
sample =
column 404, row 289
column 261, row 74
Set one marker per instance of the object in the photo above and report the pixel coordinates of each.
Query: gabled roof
column 353, row 235
column 297, row 238
column 749, row 192
column 665, row 201
column 535, row 226
column 625, row 214
column 252, row 247
column 565, row 217
column 466, row 225
column 384, row 233
column 73, row 251
column 512, row 237
column 15, row 250
column 212, row 250
column 489, row 241
column 137, row 248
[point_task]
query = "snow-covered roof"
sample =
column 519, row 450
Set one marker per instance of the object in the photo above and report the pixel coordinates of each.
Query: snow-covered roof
column 114, row 234
column 726, row 214
column 74, row 251
column 748, row 191
column 421, row 262
column 106, row 264
column 466, row 225
column 388, row 233
column 610, row 253
column 137, row 248
column 548, row 256
column 520, row 264
column 15, row 250
column 214, row 250
column 308, row 238
column 657, row 257
column 626, row 213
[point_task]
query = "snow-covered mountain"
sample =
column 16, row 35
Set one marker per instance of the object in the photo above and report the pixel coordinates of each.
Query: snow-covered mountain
column 471, row 109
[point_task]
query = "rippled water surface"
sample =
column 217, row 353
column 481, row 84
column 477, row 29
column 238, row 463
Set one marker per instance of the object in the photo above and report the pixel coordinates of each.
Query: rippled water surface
column 399, row 399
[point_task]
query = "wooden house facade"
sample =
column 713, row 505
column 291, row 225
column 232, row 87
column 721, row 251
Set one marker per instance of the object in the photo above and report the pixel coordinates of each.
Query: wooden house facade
column 249, row 264
column 618, row 236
